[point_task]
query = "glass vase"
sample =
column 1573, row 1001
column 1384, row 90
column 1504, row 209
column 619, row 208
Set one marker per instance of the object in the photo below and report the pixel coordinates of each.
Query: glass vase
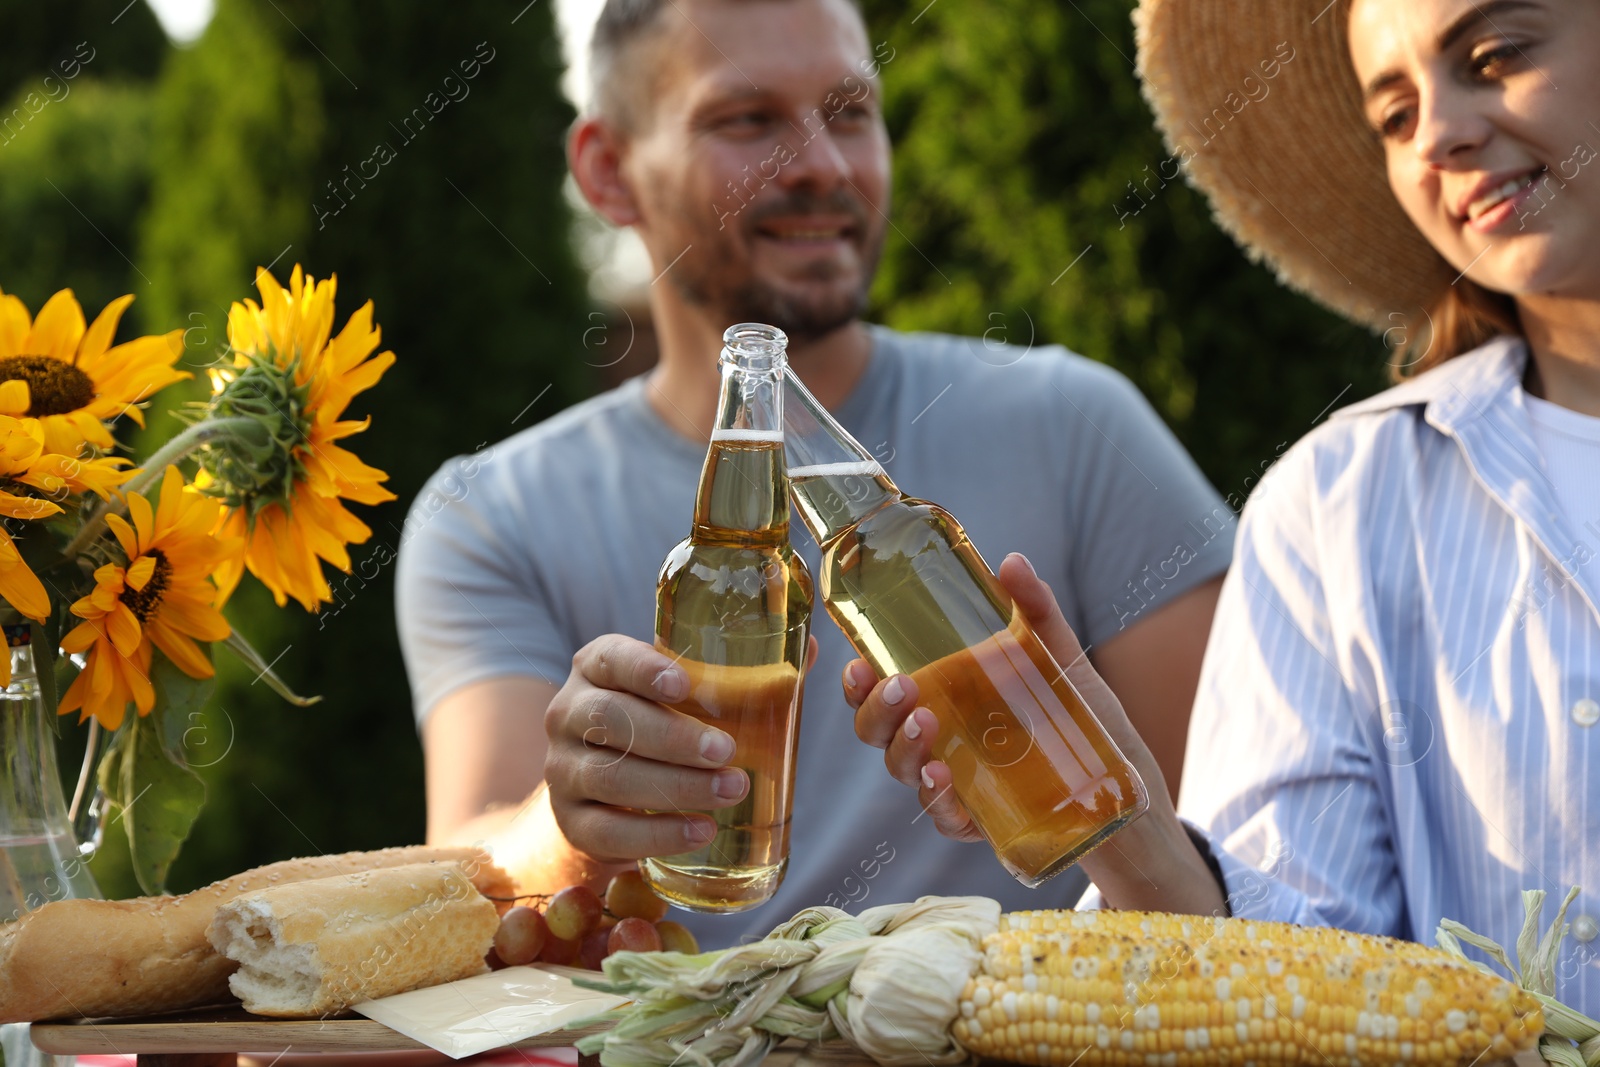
column 39, row 856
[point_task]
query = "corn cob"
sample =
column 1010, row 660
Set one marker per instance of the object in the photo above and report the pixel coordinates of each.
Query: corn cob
column 1129, row 989
column 945, row 979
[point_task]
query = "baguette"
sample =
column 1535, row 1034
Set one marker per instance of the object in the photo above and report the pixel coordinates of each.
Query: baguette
column 150, row 954
column 316, row 948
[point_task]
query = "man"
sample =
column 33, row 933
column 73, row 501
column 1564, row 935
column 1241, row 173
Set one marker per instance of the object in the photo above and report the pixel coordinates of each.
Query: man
column 742, row 140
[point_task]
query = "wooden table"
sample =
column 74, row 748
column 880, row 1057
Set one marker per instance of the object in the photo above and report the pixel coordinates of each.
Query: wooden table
column 215, row 1038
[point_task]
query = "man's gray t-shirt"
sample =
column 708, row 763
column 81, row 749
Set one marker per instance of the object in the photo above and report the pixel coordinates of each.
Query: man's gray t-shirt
column 515, row 558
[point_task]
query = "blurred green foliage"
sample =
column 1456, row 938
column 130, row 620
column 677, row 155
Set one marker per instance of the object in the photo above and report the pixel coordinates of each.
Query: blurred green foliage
column 1030, row 204
column 74, row 145
column 458, row 234
column 237, row 128
column 248, row 149
column 36, row 39
column 72, row 184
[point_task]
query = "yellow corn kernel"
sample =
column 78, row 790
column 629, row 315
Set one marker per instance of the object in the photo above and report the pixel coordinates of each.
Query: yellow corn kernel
column 1146, row 990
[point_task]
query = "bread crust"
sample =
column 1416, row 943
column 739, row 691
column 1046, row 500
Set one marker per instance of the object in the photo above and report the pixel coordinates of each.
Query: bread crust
column 318, row 947
column 91, row 958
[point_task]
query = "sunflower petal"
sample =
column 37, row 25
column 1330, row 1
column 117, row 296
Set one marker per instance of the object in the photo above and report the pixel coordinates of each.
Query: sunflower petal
column 169, row 503
column 136, row 674
column 365, row 376
column 194, row 618
column 356, row 341
column 125, row 535
column 14, row 325
column 112, row 714
column 66, row 434
column 98, row 476
column 356, row 480
column 140, row 573
column 244, row 328
column 27, row 507
column 22, row 589
column 19, row 586
column 58, row 328
column 81, row 637
column 136, row 370
column 143, row 518
column 102, row 331
column 124, row 629
column 72, row 699
column 15, row 398
column 182, row 651
column 316, row 321
column 20, row 444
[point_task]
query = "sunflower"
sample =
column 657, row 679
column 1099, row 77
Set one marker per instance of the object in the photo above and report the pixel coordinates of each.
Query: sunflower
column 29, row 478
column 290, row 373
column 162, row 598
column 70, row 378
column 25, row 466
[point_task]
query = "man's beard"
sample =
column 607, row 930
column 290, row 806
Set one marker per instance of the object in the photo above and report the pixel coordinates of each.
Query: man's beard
column 745, row 298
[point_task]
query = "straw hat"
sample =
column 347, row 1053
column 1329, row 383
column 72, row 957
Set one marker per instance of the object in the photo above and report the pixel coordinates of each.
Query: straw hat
column 1257, row 100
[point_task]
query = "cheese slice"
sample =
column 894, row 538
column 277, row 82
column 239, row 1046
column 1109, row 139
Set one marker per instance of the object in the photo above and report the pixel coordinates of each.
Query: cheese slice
column 488, row 1011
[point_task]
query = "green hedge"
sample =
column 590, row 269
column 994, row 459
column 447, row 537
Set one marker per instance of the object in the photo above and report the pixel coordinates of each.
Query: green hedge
column 1031, row 201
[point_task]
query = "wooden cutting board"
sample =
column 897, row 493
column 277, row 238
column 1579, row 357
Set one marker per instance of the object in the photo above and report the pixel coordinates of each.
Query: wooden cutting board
column 236, row 1030
column 214, row 1036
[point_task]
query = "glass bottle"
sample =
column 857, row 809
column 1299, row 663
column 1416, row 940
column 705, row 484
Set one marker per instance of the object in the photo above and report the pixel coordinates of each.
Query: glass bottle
column 733, row 606
column 39, row 857
column 1032, row 765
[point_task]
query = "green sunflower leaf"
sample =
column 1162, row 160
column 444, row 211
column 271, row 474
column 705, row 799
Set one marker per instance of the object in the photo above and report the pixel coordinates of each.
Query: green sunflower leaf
column 152, row 795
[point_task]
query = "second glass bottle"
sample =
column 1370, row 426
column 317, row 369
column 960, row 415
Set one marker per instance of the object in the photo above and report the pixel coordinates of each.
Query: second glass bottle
column 1032, row 765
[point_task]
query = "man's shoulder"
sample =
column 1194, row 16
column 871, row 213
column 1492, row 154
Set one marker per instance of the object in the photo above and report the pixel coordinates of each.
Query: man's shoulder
column 1010, row 366
column 572, row 440
column 600, row 421
column 595, row 422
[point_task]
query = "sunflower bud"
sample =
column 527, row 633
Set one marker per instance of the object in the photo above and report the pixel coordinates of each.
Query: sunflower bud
column 257, row 466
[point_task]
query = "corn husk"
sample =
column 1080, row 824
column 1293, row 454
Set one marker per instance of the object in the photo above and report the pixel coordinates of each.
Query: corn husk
column 1536, row 972
column 822, row 975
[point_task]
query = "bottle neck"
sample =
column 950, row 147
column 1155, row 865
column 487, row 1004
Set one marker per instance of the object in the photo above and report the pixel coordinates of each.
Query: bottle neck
column 750, row 401
column 743, row 496
column 835, row 482
column 833, row 502
column 31, row 804
column 19, row 645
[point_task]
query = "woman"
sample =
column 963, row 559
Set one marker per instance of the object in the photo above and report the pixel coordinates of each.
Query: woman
column 1397, row 715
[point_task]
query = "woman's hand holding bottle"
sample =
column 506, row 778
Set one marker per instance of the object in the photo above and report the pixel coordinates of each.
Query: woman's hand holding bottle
column 1152, row 864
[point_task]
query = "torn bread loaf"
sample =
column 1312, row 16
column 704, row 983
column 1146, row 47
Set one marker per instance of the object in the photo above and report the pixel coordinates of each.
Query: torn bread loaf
column 150, row 954
column 315, row 948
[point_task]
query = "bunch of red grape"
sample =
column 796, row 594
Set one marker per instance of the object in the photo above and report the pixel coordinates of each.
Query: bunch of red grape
column 577, row 929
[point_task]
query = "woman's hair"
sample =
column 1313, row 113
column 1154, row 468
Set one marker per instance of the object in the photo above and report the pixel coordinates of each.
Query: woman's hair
column 1466, row 316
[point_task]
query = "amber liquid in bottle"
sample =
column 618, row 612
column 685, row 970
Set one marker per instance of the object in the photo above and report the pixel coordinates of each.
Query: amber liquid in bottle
column 1036, row 770
column 733, row 607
